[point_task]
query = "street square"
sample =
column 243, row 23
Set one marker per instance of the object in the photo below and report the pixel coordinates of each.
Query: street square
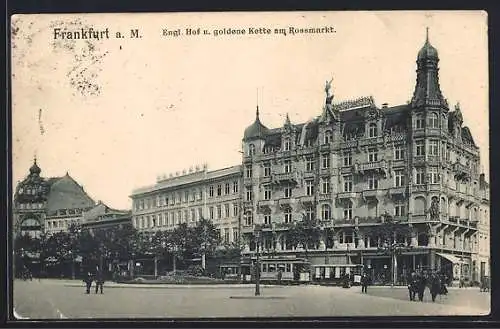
column 60, row 299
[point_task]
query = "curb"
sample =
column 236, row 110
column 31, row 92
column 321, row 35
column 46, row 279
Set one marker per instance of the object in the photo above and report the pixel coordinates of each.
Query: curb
column 257, row 297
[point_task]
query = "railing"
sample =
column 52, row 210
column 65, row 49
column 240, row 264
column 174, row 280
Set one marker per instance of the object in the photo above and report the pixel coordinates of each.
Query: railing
column 307, row 199
column 325, row 196
column 371, row 193
column 397, row 190
column 377, row 165
column 266, row 203
column 285, row 177
column 346, row 195
column 396, row 137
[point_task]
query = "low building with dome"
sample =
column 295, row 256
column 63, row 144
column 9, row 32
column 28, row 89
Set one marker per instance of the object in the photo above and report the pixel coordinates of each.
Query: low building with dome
column 47, row 205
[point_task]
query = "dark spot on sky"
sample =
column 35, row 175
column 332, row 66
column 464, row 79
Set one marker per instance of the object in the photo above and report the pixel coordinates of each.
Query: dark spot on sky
column 142, row 114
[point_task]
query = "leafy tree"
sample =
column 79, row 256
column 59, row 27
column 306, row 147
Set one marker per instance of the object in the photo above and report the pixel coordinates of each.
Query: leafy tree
column 205, row 237
column 306, row 233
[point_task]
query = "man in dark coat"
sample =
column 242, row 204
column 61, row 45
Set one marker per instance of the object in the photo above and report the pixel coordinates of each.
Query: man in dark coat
column 364, row 283
column 421, row 283
column 88, row 281
column 99, row 280
column 413, row 286
column 435, row 286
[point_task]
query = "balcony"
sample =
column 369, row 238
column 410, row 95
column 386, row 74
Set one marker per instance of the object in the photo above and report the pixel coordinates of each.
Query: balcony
column 377, row 166
column 307, row 199
column 396, row 137
column 247, row 204
column 325, row 197
column 265, row 203
column 288, row 177
column 433, row 160
column 343, row 222
column 397, row 191
column 346, row 195
column 325, row 147
column 351, row 143
column 372, row 194
column 461, row 171
column 286, row 202
column 371, row 141
column 419, row 160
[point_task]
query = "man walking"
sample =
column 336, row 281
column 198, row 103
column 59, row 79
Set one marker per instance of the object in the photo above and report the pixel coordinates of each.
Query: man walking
column 99, row 282
column 364, row 283
column 421, row 287
column 413, row 286
column 88, row 282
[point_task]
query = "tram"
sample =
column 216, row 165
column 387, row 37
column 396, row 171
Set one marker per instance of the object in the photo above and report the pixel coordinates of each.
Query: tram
column 293, row 270
column 335, row 273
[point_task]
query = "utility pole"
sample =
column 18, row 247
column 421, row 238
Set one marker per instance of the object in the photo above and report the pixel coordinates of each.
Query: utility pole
column 257, row 270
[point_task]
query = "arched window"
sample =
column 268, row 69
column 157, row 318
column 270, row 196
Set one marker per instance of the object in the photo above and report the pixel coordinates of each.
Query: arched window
column 251, row 149
column 419, row 205
column 326, row 212
column 433, row 120
column 348, row 210
column 372, row 130
column 248, row 218
column 328, row 137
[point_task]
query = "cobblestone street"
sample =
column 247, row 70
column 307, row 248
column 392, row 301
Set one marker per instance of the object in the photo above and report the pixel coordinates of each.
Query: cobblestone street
column 54, row 299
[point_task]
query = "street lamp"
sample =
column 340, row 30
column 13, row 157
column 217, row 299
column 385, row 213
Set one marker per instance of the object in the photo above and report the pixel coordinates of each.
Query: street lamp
column 257, row 231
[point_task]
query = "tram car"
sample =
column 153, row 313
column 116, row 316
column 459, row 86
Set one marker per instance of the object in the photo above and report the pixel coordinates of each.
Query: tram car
column 334, row 274
column 293, row 270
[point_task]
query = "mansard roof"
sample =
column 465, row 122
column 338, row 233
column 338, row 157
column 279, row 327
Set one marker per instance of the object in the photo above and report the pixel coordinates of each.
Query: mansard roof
column 66, row 193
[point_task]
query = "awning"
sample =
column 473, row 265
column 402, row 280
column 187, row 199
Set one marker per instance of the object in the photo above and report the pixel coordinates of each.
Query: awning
column 451, row 258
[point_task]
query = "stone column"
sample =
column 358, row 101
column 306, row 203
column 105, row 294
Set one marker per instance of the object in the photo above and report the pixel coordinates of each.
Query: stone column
column 432, row 236
column 361, row 240
column 414, row 238
column 322, row 245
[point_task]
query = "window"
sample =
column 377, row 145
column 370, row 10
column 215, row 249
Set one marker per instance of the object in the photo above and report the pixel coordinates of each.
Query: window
column 419, row 176
column 288, row 215
column 419, row 148
column 219, row 190
column 325, row 161
column 249, row 194
column 348, row 210
column 419, row 122
column 235, row 209
column 235, row 235
column 219, row 211
column 248, row 172
column 433, row 147
column 399, row 178
column 251, row 149
column 267, row 192
column 325, row 185
column 287, row 166
column 309, row 164
column 193, row 215
column 166, row 201
column 443, row 151
column 235, row 187
column 286, row 144
column 347, row 159
column 372, row 183
column 309, row 187
column 326, row 212
column 288, row 192
column 310, row 213
column 200, row 213
column 226, row 235
column 186, row 214
column 372, row 155
column 328, row 137
column 211, row 191
column 227, row 188
column 372, row 130
column 153, row 221
column 433, row 120
column 267, row 219
column 186, row 196
column 226, row 210
column 267, row 169
column 399, row 209
column 248, row 218
column 211, row 212
column 399, row 152
column 433, row 175
column 348, row 183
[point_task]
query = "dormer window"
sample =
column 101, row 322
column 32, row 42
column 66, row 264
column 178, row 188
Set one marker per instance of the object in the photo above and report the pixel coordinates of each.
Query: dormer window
column 251, row 149
column 286, row 144
column 372, row 130
column 328, row 137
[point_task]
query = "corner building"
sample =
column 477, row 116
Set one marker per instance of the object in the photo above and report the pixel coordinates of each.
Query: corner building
column 357, row 163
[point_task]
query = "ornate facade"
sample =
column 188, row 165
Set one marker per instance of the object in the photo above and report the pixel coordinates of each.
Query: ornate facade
column 357, row 163
column 48, row 204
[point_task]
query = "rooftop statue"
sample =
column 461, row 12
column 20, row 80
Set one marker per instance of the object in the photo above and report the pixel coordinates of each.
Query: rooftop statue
column 329, row 94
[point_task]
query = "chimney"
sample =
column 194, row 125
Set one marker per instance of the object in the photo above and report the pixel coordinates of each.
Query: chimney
column 385, row 105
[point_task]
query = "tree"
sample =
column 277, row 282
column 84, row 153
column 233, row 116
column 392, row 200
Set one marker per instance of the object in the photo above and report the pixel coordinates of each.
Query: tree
column 205, row 239
column 392, row 239
column 179, row 242
column 305, row 232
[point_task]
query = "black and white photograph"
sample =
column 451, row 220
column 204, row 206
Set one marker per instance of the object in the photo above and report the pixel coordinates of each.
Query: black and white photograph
column 236, row 165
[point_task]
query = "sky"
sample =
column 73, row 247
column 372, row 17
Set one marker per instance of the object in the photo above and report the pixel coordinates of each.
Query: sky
column 116, row 113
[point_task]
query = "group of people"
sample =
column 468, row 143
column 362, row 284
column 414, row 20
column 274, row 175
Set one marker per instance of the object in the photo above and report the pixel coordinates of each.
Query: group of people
column 419, row 280
column 97, row 277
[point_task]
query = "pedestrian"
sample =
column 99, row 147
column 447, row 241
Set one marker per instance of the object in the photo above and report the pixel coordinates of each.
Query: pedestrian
column 421, row 283
column 435, row 286
column 364, row 283
column 280, row 275
column 413, row 286
column 99, row 280
column 88, row 282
